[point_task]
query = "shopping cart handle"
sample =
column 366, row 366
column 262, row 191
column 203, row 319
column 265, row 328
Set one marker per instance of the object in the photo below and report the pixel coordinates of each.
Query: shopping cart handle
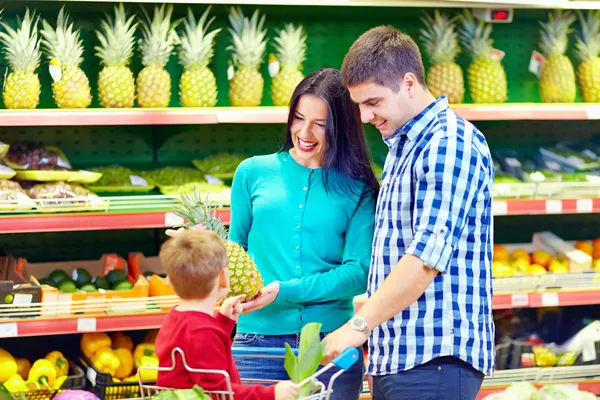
column 347, row 359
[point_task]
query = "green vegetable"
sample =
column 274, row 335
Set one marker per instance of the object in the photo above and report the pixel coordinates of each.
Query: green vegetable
column 58, row 275
column 220, row 163
column 173, row 176
column 123, row 285
column 310, row 355
column 115, row 276
column 67, row 286
column 101, row 283
column 88, row 287
column 197, row 393
column 114, row 175
column 81, row 277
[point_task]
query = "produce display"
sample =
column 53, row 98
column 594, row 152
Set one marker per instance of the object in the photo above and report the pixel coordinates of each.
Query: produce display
column 588, row 46
column 220, row 164
column 522, row 262
column 9, row 190
column 81, row 280
column 243, row 274
column 290, row 44
column 118, row 176
column 20, row 375
column 35, row 156
column 173, row 176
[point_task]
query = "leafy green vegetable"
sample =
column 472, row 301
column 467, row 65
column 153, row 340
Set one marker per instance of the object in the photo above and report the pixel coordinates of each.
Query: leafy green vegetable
column 310, row 355
column 197, row 393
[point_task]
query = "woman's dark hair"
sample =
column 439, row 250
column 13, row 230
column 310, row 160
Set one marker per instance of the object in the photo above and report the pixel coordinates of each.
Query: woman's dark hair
column 346, row 154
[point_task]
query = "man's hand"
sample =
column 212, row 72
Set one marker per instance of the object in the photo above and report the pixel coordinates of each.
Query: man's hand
column 340, row 340
column 232, row 307
column 173, row 232
column 267, row 295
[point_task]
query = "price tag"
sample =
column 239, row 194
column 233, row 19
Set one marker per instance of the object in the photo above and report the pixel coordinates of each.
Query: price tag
column 62, row 163
column 23, row 298
column 589, row 352
column 585, row 205
column 497, row 54
column 137, row 180
column 212, row 180
column 536, row 63
column 4, row 168
column 9, row 330
column 172, row 219
column 550, row 299
column 91, row 375
column 553, row 206
column 86, row 325
column 519, row 299
column 500, row 207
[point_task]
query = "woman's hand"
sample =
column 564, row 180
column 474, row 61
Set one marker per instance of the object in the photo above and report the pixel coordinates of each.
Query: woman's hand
column 173, row 232
column 267, row 295
column 232, row 307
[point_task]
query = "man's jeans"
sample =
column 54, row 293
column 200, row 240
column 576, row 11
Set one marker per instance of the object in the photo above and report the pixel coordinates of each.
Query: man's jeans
column 444, row 378
column 347, row 386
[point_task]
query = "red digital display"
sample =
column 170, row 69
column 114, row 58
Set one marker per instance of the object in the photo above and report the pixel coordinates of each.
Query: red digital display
column 499, row 15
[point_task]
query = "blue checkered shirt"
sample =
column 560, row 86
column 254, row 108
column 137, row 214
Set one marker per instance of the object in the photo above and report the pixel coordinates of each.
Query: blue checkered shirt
column 436, row 204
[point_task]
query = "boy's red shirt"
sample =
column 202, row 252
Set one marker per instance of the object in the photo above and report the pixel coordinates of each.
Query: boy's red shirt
column 206, row 343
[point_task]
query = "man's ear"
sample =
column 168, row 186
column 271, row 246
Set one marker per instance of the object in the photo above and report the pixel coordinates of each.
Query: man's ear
column 410, row 83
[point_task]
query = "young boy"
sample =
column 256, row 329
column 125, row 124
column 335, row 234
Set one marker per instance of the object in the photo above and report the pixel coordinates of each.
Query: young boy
column 196, row 264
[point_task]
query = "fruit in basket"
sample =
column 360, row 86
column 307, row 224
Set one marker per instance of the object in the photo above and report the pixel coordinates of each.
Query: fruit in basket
column 558, row 267
column 521, row 265
column 585, row 246
column 143, row 350
column 91, row 342
column 81, row 276
column 101, row 283
column 16, row 384
column 445, row 77
column 544, row 357
column 536, row 269
column 105, row 360
column 59, row 361
column 486, row 76
column 290, row 44
column 115, row 276
column 520, row 254
column 64, row 49
column 88, row 288
column 557, row 80
column 67, row 286
column 501, row 269
column 34, row 156
column 121, row 341
column 158, row 40
column 8, row 365
column 126, row 363
column 22, row 51
column 43, row 372
column 58, row 276
column 123, row 285
column 23, row 367
column 148, row 375
column 588, row 47
column 501, row 253
column 59, row 382
column 541, row 257
column 248, row 50
column 244, row 277
column 116, row 85
column 198, row 85
column 58, row 190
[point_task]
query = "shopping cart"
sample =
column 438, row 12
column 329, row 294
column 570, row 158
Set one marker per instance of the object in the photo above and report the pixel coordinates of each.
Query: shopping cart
column 318, row 389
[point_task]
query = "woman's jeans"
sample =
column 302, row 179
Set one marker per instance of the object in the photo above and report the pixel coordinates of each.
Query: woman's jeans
column 347, row 386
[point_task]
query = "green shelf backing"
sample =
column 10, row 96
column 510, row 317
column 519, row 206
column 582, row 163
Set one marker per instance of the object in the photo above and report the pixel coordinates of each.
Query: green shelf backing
column 331, row 31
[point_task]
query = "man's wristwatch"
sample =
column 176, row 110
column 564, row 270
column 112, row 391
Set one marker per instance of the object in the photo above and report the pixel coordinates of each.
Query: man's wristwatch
column 359, row 324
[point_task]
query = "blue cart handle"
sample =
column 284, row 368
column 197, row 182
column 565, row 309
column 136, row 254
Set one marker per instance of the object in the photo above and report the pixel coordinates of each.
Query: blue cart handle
column 344, row 361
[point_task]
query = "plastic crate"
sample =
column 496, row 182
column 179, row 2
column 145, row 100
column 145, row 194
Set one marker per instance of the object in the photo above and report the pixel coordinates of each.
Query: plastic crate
column 76, row 380
column 103, row 386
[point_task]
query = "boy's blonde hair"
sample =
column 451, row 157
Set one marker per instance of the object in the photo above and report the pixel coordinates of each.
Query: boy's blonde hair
column 193, row 260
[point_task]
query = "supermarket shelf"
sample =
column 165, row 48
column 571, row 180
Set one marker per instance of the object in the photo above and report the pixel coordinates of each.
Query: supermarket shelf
column 546, row 206
column 270, row 115
column 588, row 385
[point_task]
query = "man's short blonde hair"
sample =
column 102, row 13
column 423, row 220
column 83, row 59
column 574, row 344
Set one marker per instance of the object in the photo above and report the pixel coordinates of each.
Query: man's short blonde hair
column 193, row 260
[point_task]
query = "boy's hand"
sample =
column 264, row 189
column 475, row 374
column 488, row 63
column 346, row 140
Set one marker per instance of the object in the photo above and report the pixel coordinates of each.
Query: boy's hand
column 286, row 390
column 173, row 232
column 232, row 307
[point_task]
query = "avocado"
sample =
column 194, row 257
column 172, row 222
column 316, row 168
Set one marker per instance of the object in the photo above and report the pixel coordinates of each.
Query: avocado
column 123, row 285
column 58, row 275
column 81, row 277
column 88, row 287
column 47, row 281
column 116, row 275
column 101, row 283
column 67, row 286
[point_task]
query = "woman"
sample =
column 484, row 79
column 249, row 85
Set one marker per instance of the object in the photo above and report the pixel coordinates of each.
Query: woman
column 306, row 217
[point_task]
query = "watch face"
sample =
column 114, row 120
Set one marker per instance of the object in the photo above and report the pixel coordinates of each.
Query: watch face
column 358, row 323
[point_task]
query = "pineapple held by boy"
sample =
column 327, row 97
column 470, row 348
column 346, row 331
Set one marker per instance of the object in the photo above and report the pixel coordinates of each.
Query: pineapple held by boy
column 485, row 76
column 249, row 46
column 588, row 48
column 244, row 277
column 22, row 51
column 71, row 87
column 116, row 85
column 557, row 81
column 198, row 85
column 291, row 50
column 445, row 77
column 159, row 39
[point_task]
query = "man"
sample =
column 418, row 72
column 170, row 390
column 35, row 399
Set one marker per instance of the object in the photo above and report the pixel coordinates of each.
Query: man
column 428, row 317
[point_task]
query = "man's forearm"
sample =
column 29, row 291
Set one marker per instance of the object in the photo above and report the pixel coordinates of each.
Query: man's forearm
column 403, row 286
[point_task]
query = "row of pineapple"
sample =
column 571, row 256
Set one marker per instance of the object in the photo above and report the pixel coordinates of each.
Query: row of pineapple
column 486, row 77
column 117, row 87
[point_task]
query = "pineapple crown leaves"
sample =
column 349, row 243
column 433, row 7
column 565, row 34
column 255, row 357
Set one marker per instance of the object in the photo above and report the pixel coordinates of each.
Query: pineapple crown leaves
column 197, row 44
column 62, row 43
column 159, row 36
column 475, row 36
column 117, row 39
column 555, row 33
column 248, row 37
column 588, row 39
column 22, row 46
column 290, row 44
column 193, row 210
column 440, row 37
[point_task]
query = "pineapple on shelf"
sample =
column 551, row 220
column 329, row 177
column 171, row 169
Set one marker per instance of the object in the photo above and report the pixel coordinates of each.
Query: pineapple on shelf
column 444, row 77
column 198, row 85
column 485, row 76
column 249, row 46
column 244, row 277
column 22, row 51
column 557, row 80
column 158, row 41
column 290, row 45
column 64, row 49
column 116, row 85
column 588, row 48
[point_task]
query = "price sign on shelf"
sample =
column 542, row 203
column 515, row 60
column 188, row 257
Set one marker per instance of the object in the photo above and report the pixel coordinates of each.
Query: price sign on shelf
column 9, row 330
column 86, row 325
column 519, row 299
column 550, row 299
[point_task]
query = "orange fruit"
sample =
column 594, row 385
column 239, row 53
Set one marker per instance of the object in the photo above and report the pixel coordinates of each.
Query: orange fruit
column 501, row 253
column 584, row 246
